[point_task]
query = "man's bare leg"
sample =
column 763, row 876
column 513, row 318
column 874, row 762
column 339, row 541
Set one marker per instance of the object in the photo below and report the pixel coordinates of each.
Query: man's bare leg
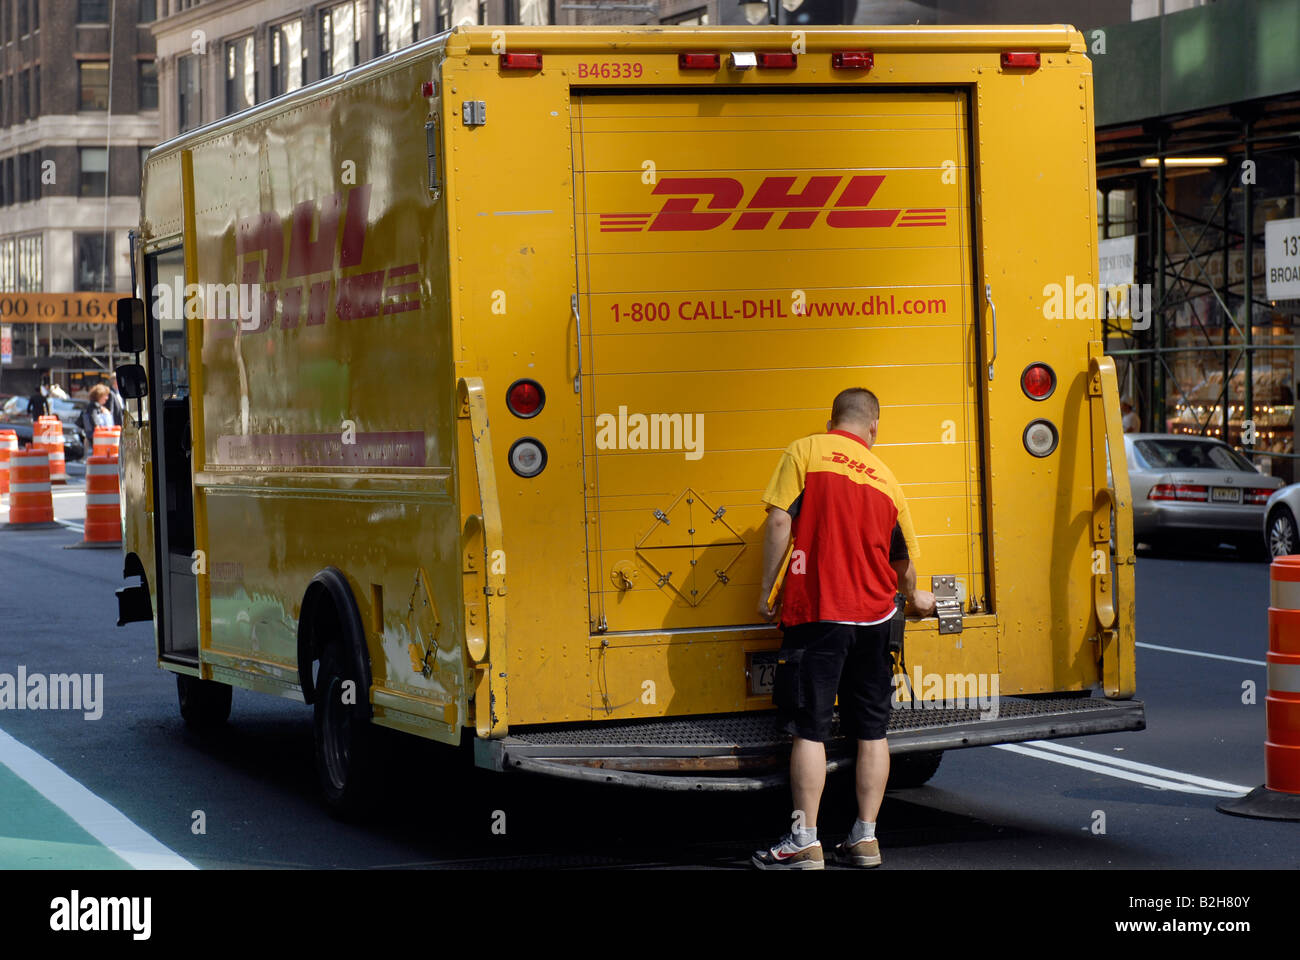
column 872, row 774
column 808, row 777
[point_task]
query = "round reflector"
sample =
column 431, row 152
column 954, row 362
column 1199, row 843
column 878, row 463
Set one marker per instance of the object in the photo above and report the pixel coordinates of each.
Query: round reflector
column 1038, row 381
column 527, row 457
column 1040, row 438
column 525, row 398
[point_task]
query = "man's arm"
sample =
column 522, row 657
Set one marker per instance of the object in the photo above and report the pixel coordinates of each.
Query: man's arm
column 776, row 539
column 920, row 601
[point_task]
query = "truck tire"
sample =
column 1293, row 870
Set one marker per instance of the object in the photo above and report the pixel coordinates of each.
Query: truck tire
column 343, row 735
column 913, row 769
column 204, row 703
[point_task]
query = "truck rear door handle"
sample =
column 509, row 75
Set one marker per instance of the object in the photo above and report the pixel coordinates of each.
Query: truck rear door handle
column 577, row 322
column 988, row 295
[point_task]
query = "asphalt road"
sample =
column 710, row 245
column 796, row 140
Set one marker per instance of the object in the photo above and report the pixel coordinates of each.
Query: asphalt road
column 251, row 787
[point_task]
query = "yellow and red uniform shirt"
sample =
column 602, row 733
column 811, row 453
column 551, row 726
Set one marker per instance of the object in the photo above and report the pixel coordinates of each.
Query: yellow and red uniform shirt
column 845, row 504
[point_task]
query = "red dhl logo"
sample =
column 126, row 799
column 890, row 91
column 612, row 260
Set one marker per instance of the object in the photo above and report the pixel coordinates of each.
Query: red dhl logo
column 851, row 464
column 723, row 199
column 318, row 246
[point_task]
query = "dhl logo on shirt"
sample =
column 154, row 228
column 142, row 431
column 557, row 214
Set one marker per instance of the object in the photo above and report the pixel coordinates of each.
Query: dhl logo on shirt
column 851, row 464
column 724, row 199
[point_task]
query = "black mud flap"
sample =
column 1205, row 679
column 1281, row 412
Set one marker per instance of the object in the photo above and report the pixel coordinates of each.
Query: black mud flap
column 743, row 752
column 133, row 605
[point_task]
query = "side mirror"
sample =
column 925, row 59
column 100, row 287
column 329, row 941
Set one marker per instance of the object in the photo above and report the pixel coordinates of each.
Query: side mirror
column 131, row 381
column 130, row 325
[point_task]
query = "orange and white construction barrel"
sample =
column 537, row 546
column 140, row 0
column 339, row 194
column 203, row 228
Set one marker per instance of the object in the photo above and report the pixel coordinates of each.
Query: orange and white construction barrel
column 106, row 441
column 48, row 436
column 31, row 504
column 103, row 504
column 1279, row 797
column 8, row 444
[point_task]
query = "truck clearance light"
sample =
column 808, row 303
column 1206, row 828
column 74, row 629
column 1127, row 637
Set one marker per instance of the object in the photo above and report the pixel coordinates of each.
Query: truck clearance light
column 1179, row 491
column 527, row 457
column 1020, row 60
column 1040, row 438
column 521, row 61
column 777, row 61
column 698, row 61
column 1257, row 494
column 1038, row 381
column 853, row 60
column 525, row 398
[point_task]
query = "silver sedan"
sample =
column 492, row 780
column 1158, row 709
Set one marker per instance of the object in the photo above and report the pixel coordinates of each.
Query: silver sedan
column 1185, row 486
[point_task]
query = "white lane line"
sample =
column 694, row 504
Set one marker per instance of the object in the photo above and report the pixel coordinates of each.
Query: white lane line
column 97, row 817
column 1175, row 785
column 70, row 525
column 1139, row 767
column 1198, row 653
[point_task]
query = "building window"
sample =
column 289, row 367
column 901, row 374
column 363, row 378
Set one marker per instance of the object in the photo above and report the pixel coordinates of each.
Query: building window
column 699, row 17
column 20, row 264
column 241, row 75
column 340, row 39
column 24, row 95
column 397, row 24
column 93, row 179
column 531, row 13
column 29, row 176
column 93, row 80
column 93, row 267
column 36, row 91
column 22, row 18
column 189, row 103
column 91, row 11
column 6, row 188
column 147, row 85
column 288, row 57
column 147, row 12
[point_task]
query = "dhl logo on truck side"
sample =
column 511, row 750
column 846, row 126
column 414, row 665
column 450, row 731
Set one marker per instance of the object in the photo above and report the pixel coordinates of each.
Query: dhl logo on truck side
column 798, row 210
column 317, row 244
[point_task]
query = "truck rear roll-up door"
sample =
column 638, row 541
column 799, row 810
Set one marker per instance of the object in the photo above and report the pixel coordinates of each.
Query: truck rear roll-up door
column 741, row 259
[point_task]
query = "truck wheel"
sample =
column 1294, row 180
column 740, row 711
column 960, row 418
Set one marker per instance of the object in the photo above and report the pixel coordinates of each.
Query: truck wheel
column 913, row 769
column 343, row 735
column 204, row 703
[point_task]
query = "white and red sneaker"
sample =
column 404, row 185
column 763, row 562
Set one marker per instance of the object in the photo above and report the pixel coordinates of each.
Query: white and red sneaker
column 788, row 855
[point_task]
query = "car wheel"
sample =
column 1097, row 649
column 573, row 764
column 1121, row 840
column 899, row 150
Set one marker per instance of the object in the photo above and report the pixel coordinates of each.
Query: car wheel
column 1282, row 537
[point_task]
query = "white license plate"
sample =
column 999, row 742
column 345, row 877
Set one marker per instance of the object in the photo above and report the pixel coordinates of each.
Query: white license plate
column 762, row 673
column 1225, row 494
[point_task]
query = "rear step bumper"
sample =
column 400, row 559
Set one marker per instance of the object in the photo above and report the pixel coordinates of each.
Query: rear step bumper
column 741, row 752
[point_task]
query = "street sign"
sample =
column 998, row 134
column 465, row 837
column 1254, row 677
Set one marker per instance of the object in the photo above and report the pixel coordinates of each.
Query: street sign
column 58, row 307
column 6, row 344
column 1282, row 259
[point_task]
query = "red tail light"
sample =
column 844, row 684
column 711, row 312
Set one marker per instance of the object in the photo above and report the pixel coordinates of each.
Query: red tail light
column 1257, row 494
column 699, row 61
column 853, row 60
column 1179, row 491
column 525, row 398
column 1020, row 60
column 1038, row 381
column 778, row 61
column 521, row 61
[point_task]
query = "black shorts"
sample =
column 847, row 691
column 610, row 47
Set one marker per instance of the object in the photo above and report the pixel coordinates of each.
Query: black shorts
column 818, row 661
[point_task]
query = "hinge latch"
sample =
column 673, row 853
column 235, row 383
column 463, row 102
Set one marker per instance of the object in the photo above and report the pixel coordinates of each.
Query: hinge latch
column 947, row 605
column 473, row 113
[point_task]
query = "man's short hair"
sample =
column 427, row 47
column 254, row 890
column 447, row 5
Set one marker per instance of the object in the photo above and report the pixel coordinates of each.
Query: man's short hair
column 856, row 404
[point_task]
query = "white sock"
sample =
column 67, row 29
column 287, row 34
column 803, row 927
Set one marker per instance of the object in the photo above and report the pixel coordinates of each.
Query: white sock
column 862, row 830
column 803, row 837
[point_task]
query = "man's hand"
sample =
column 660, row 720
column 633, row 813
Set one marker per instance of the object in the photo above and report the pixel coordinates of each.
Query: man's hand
column 921, row 602
column 764, row 611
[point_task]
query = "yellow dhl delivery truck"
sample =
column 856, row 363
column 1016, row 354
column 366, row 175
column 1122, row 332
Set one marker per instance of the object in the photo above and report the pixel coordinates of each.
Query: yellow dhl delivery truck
column 461, row 375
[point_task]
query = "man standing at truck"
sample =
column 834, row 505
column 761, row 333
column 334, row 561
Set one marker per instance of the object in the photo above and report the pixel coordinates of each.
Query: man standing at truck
column 853, row 549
